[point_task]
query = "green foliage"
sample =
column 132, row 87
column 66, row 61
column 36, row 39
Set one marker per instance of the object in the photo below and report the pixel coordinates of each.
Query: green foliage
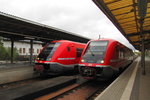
column 5, row 53
column 8, row 54
column 2, row 52
column 1, row 44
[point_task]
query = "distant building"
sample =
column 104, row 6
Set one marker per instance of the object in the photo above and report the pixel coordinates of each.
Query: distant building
column 23, row 47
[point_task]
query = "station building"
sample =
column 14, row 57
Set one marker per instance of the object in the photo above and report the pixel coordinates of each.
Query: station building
column 23, row 47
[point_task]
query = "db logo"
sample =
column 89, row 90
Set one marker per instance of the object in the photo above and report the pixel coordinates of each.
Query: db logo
column 40, row 61
column 89, row 64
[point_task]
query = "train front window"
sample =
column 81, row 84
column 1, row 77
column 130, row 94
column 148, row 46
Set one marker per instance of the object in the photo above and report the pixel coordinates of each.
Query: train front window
column 48, row 51
column 95, row 52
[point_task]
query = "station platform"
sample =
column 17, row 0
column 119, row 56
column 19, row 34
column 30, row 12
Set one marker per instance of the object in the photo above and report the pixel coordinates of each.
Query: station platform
column 37, row 89
column 130, row 85
column 15, row 72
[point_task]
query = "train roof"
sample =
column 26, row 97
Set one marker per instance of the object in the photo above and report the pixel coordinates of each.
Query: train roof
column 66, row 41
column 110, row 41
column 105, row 39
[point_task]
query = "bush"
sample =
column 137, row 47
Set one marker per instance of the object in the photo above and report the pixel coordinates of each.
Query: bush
column 8, row 53
column 5, row 53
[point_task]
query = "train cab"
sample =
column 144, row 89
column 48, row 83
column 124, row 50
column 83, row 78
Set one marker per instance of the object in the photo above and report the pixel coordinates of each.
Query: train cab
column 58, row 57
column 103, row 58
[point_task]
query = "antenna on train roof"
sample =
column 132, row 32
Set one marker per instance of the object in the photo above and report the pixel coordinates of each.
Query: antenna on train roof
column 99, row 37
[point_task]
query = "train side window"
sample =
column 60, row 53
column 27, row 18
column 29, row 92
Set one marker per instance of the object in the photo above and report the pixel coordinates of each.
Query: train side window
column 117, row 51
column 79, row 52
column 68, row 49
column 121, row 54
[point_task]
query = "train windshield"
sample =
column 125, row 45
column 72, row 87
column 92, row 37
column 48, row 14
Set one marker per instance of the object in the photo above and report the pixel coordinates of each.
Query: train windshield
column 95, row 52
column 48, row 51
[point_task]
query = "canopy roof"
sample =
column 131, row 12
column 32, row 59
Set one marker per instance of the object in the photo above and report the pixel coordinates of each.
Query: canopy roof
column 19, row 29
column 131, row 17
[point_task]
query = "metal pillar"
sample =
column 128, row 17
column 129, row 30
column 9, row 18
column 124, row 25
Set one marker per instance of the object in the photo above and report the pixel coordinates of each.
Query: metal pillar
column 143, row 57
column 143, row 48
column 31, row 49
column 142, row 9
column 12, row 50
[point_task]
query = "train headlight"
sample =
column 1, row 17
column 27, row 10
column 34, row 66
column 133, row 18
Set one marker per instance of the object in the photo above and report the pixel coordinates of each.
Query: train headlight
column 37, row 58
column 50, row 59
column 82, row 60
column 102, row 61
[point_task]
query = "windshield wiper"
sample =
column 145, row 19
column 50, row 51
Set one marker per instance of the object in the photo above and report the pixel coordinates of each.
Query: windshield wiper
column 91, row 52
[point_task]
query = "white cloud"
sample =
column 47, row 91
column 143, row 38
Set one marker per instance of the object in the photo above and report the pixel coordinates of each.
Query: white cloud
column 78, row 16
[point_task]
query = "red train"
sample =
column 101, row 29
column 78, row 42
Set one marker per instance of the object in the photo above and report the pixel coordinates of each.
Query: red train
column 58, row 57
column 104, row 58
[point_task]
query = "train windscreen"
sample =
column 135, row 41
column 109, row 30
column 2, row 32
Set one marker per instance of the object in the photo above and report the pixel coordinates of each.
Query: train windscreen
column 95, row 52
column 48, row 51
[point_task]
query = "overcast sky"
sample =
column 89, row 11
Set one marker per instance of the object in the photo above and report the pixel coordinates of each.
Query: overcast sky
column 82, row 17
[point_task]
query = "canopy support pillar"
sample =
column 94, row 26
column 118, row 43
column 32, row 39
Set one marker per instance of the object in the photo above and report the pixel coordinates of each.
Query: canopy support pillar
column 31, row 51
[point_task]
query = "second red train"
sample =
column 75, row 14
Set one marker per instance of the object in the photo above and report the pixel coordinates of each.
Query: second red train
column 104, row 58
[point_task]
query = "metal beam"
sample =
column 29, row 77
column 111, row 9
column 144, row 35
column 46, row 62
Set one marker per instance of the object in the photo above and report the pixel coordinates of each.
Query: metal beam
column 24, row 35
column 142, row 9
column 31, row 51
column 12, row 50
column 145, row 41
column 135, row 16
column 138, row 33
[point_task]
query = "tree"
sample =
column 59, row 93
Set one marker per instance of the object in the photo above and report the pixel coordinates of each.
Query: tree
column 1, row 43
column 5, row 53
column 2, row 50
column 8, row 53
column 2, row 53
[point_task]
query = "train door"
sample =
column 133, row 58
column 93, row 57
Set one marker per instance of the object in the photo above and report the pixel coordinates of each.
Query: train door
column 78, row 53
column 115, row 58
column 71, row 53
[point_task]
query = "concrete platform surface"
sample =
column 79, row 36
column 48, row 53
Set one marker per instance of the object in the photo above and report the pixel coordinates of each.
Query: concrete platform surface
column 16, row 73
column 130, row 85
column 144, row 91
column 33, row 90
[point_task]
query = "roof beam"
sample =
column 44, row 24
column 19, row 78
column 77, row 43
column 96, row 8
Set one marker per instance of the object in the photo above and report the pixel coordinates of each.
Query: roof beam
column 107, row 12
column 142, row 8
column 135, row 16
column 122, row 18
column 147, row 41
column 138, row 33
column 121, row 7
column 113, row 1
column 124, row 13
column 128, row 21
column 23, row 35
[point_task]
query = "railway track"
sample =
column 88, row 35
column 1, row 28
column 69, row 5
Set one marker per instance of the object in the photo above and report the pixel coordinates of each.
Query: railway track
column 23, row 82
column 75, row 90
column 18, row 83
column 78, row 91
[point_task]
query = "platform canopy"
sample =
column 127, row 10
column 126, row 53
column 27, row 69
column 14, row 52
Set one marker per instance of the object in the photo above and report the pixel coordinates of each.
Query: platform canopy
column 131, row 17
column 18, row 28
